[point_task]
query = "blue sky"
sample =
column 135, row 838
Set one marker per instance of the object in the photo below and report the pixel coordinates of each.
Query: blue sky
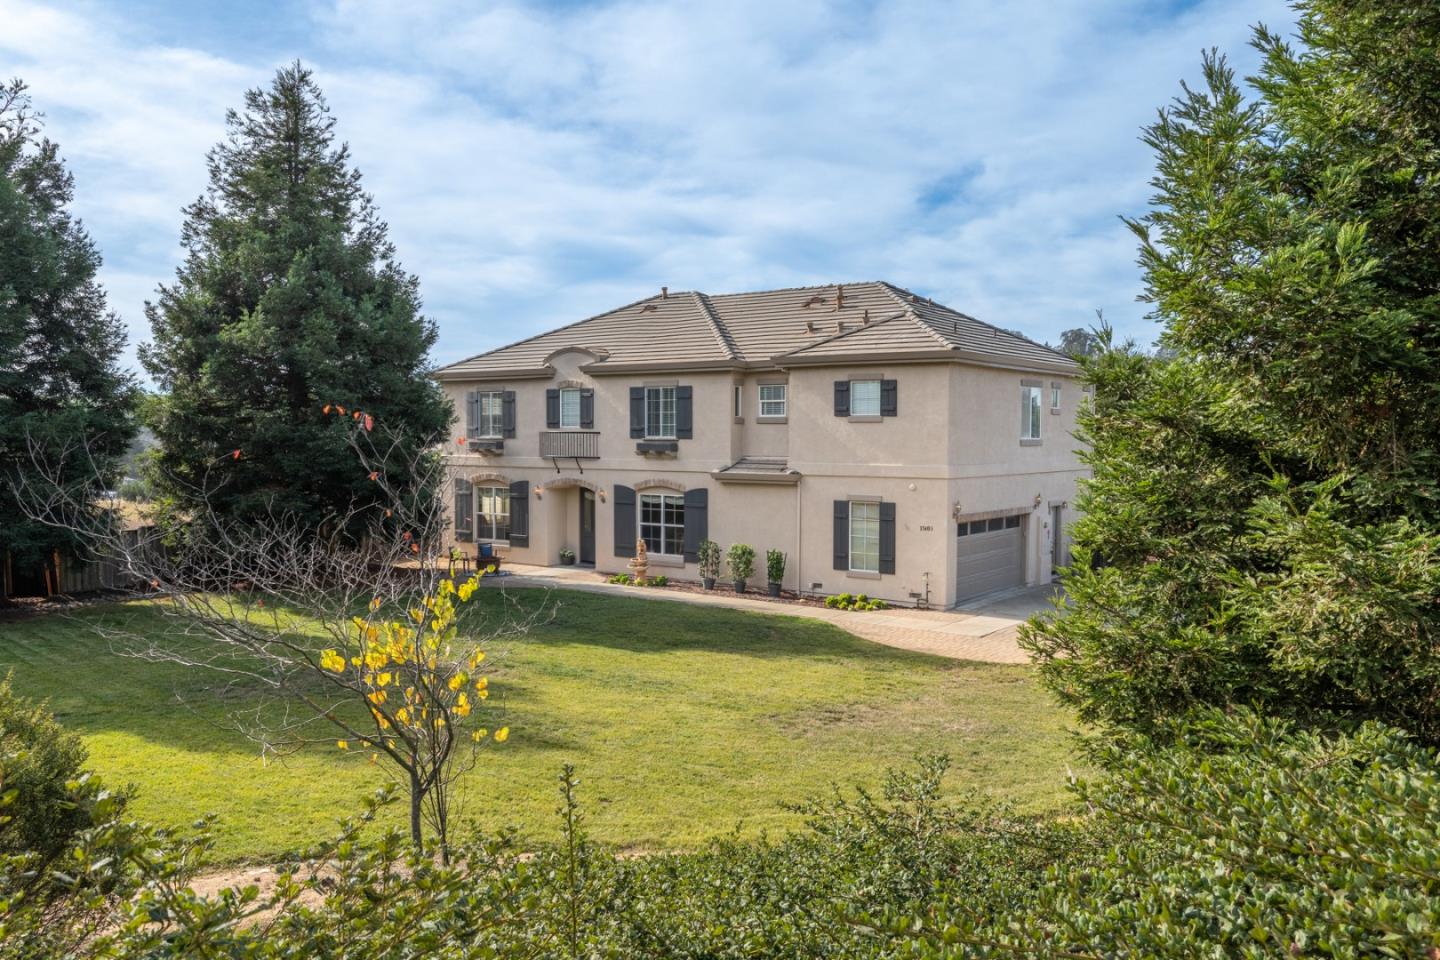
column 539, row 163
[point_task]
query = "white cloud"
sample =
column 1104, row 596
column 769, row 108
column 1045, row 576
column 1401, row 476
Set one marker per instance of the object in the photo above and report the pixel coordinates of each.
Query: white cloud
column 540, row 164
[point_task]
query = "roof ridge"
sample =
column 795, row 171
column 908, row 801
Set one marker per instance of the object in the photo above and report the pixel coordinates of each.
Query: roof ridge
column 984, row 323
column 842, row 334
column 546, row 333
column 909, row 307
column 817, row 286
column 722, row 333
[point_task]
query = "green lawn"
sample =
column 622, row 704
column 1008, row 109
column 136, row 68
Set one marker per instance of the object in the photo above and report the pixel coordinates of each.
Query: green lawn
column 682, row 721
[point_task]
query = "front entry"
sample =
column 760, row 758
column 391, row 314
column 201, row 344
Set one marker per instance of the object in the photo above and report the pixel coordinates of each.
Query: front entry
column 587, row 526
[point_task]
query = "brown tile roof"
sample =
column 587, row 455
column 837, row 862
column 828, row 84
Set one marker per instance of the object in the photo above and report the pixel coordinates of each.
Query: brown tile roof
column 838, row 323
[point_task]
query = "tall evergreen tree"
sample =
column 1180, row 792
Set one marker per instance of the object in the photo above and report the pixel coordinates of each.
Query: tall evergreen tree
column 64, row 401
column 290, row 298
column 1263, row 525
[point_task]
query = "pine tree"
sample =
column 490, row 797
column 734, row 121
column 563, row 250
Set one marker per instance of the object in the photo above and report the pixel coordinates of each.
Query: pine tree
column 290, row 298
column 1263, row 526
column 64, row 401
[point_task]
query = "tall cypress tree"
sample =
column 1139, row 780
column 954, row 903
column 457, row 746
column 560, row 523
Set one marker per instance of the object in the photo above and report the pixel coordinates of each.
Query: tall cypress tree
column 64, row 401
column 290, row 298
column 1263, row 526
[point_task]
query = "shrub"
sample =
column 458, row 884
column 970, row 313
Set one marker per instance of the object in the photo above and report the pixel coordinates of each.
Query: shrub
column 741, row 561
column 622, row 578
column 850, row 601
column 709, row 556
column 43, row 758
column 660, row 581
column 775, row 565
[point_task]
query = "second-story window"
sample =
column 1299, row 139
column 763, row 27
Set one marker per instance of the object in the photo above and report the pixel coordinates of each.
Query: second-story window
column 739, row 401
column 491, row 420
column 660, row 412
column 864, row 398
column 1054, row 396
column 569, row 409
column 1030, row 413
column 772, row 400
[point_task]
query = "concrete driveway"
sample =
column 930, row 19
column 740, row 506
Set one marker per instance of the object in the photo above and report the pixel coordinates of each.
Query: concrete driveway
column 985, row 631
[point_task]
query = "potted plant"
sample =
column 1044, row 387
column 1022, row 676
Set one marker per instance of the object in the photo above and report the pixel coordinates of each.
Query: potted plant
column 775, row 570
column 741, row 561
column 567, row 557
column 709, row 563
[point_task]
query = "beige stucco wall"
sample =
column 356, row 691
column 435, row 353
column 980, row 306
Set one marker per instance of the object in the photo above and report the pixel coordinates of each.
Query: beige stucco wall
column 954, row 447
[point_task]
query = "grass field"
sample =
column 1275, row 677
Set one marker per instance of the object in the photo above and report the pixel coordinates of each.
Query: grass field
column 682, row 722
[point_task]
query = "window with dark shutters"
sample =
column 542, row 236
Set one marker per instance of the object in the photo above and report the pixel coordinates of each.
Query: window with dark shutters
column 887, row 537
column 552, row 409
column 625, row 529
column 684, row 413
column 587, row 409
column 842, row 398
column 464, row 511
column 507, row 414
column 520, row 514
column 889, row 398
column 637, row 414
column 697, row 522
column 842, row 534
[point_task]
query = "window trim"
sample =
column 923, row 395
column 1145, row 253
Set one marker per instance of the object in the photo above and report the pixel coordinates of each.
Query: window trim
column 850, row 535
column 674, row 413
column 499, row 396
column 640, row 523
column 1032, row 402
column 760, row 402
column 477, row 517
column 739, row 402
column 879, row 403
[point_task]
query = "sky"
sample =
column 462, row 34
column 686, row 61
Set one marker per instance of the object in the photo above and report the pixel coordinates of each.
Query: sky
column 542, row 162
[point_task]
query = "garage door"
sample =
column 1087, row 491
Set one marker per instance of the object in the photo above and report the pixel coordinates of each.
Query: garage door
column 990, row 556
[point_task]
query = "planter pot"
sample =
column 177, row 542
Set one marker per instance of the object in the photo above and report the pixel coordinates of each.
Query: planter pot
column 774, row 588
column 739, row 586
column 708, row 583
column 567, row 563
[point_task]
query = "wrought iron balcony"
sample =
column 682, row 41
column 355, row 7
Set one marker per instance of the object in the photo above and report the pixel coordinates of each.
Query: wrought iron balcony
column 570, row 444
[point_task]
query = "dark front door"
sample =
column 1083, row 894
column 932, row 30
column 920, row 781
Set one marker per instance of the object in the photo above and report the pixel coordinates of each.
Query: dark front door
column 587, row 526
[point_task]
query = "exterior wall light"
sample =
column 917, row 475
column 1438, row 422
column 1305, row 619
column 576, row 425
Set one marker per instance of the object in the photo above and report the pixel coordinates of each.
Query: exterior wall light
column 540, row 490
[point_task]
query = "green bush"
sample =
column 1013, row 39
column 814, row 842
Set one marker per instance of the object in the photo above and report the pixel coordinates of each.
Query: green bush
column 850, row 601
column 621, row 578
column 741, row 561
column 775, row 565
column 660, row 581
column 43, row 759
column 709, row 559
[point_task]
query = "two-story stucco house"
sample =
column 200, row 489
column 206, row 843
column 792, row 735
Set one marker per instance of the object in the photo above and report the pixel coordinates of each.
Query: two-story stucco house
column 887, row 444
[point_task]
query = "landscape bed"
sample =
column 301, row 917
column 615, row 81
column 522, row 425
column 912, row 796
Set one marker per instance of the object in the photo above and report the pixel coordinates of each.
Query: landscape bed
column 683, row 724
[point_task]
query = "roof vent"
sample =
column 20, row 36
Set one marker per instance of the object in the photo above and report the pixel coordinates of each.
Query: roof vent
column 665, row 293
column 812, row 301
column 839, row 296
column 648, row 307
column 865, row 317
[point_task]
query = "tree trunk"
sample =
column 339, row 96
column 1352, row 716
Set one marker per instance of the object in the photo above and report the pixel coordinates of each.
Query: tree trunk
column 415, row 798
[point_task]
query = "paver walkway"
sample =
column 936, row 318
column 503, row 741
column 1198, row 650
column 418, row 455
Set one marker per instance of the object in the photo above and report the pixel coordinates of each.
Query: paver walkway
column 986, row 632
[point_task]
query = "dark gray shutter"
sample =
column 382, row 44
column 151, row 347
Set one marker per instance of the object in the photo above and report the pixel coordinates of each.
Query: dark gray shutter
column 520, row 514
column 464, row 511
column 889, row 398
column 842, row 398
column 507, row 414
column 697, row 522
column 637, row 414
column 684, row 413
column 887, row 538
column 552, row 409
column 587, row 409
column 472, row 414
column 842, row 534
column 625, row 530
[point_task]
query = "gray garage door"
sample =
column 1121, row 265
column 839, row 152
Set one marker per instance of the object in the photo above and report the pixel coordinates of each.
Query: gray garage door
column 991, row 556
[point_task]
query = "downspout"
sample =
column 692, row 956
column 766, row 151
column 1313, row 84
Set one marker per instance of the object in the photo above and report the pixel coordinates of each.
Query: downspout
column 799, row 553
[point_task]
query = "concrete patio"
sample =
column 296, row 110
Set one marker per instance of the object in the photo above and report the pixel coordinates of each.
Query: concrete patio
column 985, row 631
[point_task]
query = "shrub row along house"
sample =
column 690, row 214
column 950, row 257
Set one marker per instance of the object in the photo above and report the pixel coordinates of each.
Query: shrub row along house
column 886, row 443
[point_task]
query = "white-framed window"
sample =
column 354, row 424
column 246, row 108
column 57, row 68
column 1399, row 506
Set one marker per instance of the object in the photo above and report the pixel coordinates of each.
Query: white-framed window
column 662, row 523
column 1030, row 412
column 492, row 413
column 864, row 398
column 864, row 536
column 772, row 399
column 660, row 413
column 569, row 409
column 492, row 513
column 739, row 401
column 1054, row 396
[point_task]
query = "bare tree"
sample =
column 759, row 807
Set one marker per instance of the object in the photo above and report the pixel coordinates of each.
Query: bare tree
column 350, row 634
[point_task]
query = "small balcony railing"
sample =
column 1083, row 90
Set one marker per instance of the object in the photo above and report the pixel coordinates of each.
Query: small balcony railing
column 570, row 444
